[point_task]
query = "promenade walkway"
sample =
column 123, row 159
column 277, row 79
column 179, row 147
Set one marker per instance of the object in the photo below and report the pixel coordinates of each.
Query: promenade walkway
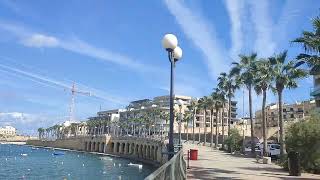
column 215, row 164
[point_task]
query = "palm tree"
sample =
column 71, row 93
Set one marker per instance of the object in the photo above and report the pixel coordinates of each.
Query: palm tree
column 244, row 72
column 193, row 108
column 285, row 75
column 40, row 132
column 263, row 82
column 229, row 84
column 164, row 116
column 199, row 107
column 217, row 96
column 186, row 118
column 211, row 105
column 203, row 102
column 311, row 45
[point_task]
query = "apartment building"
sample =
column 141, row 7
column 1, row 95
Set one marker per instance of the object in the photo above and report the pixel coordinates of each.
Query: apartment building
column 162, row 103
column 157, row 103
column 291, row 112
column 7, row 131
column 201, row 123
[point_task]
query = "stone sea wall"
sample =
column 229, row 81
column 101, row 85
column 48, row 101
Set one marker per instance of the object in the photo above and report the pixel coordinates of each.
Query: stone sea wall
column 70, row 143
column 140, row 149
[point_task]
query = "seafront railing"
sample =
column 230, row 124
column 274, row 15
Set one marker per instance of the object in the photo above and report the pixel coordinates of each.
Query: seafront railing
column 175, row 169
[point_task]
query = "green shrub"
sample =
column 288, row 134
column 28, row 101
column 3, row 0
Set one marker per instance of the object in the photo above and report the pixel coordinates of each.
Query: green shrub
column 234, row 140
column 304, row 137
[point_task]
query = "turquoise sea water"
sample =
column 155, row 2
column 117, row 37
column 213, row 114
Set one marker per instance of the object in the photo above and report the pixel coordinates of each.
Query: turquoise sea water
column 23, row 162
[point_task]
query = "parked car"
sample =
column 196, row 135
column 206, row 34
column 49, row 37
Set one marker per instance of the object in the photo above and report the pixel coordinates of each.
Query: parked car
column 273, row 149
column 257, row 148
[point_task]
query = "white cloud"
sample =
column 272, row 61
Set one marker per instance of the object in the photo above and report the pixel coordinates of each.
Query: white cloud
column 63, row 85
column 84, row 48
column 12, row 114
column 31, row 39
column 202, row 35
column 40, row 40
column 235, row 10
column 28, row 123
column 264, row 42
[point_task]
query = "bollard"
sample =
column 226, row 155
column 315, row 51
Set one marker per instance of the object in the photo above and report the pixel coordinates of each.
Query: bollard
column 188, row 159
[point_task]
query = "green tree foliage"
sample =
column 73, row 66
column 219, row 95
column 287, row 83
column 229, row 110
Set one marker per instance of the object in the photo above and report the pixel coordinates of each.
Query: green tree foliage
column 234, row 141
column 310, row 40
column 304, row 137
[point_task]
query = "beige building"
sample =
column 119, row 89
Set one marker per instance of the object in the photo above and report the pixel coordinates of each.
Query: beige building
column 291, row 112
column 7, row 131
column 203, row 124
column 161, row 103
column 316, row 89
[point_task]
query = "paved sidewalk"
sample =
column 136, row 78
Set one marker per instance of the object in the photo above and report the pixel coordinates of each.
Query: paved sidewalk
column 215, row 164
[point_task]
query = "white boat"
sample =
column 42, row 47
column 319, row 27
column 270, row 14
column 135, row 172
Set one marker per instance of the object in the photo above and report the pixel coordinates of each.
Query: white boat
column 136, row 165
column 23, row 154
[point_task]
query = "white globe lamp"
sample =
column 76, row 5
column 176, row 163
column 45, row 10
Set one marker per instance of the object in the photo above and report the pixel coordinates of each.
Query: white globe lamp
column 169, row 42
column 177, row 53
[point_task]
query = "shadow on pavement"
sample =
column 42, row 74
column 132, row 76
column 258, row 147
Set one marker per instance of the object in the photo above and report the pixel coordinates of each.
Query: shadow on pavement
column 209, row 173
column 216, row 173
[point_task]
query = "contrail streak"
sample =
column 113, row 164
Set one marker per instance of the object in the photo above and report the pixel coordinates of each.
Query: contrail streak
column 49, row 82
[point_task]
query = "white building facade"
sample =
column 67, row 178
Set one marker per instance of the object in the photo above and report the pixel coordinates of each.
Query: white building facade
column 7, row 131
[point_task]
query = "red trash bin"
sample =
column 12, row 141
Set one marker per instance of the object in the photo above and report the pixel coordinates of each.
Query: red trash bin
column 193, row 154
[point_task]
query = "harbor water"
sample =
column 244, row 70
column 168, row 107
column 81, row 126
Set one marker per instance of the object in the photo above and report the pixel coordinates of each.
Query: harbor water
column 24, row 162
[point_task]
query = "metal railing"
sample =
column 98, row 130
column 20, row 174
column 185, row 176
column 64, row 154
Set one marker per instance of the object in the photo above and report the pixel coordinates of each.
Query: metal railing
column 174, row 169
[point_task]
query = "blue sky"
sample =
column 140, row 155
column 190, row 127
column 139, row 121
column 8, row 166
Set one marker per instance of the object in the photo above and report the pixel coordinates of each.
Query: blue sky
column 112, row 49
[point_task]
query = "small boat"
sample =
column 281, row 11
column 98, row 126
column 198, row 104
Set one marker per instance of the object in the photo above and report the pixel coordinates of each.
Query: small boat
column 24, row 154
column 58, row 153
column 137, row 165
column 34, row 148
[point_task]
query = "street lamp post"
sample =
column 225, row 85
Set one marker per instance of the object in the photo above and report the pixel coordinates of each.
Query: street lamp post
column 170, row 43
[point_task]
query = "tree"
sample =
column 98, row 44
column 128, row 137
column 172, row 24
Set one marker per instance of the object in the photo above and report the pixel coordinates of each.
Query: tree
column 263, row 81
column 193, row 108
column 285, row 75
column 164, row 116
column 219, row 99
column 244, row 72
column 211, row 105
column 303, row 137
column 229, row 84
column 203, row 102
column 40, row 132
column 186, row 118
column 311, row 45
column 234, row 141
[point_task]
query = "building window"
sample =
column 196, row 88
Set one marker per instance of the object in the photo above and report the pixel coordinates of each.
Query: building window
column 285, row 116
column 292, row 116
column 284, row 110
column 291, row 109
column 197, row 124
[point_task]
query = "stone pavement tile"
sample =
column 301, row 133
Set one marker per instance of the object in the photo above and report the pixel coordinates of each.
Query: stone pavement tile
column 215, row 164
